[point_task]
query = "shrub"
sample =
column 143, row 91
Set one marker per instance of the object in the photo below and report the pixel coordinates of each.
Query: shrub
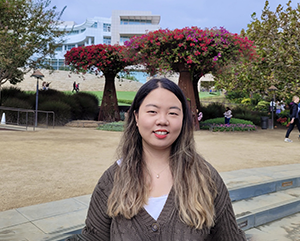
column 262, row 105
column 62, row 111
column 213, row 110
column 217, row 124
column 88, row 105
column 14, row 116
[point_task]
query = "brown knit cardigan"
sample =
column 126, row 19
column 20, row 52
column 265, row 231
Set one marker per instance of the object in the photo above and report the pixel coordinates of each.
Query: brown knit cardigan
column 168, row 226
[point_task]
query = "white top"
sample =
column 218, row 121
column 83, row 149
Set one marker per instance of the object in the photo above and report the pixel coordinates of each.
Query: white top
column 155, row 204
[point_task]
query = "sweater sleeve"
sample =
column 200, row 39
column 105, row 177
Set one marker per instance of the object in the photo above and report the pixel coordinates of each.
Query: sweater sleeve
column 97, row 223
column 225, row 227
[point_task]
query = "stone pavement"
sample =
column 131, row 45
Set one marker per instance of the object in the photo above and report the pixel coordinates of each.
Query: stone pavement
column 60, row 219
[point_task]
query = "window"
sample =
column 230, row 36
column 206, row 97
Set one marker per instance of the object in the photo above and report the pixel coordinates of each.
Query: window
column 123, row 39
column 106, row 40
column 58, row 48
column 73, row 32
column 70, row 46
column 95, row 25
column 106, row 27
column 82, row 30
column 135, row 22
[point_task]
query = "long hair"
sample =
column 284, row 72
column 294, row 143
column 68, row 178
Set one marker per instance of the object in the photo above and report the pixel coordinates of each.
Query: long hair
column 193, row 185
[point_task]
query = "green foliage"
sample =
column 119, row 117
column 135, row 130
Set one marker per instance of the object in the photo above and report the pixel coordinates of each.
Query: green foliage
column 88, row 105
column 113, row 126
column 66, row 107
column 12, row 116
column 262, row 105
column 213, row 110
column 232, row 121
column 236, row 124
column 26, row 28
column 62, row 111
column 246, row 101
column 276, row 35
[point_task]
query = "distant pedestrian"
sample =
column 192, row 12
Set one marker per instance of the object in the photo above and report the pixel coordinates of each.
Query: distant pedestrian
column 294, row 114
column 227, row 115
column 74, row 86
column 77, row 88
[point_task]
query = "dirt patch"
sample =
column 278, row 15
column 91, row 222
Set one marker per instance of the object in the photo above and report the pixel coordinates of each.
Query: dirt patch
column 52, row 164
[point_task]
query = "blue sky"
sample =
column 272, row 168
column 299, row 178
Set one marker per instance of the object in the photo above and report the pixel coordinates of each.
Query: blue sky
column 234, row 15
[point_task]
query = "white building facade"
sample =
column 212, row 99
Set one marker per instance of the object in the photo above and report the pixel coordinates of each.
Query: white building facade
column 115, row 30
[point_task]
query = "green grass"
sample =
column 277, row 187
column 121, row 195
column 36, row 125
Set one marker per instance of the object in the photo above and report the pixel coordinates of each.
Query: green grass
column 113, row 126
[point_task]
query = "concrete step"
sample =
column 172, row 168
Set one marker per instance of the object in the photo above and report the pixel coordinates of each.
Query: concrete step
column 256, row 211
column 285, row 229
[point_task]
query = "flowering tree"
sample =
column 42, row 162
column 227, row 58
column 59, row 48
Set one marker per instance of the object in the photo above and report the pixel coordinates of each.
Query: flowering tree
column 190, row 51
column 108, row 59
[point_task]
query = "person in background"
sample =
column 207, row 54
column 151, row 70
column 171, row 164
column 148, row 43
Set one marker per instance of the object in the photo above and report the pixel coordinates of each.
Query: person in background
column 74, row 86
column 227, row 115
column 294, row 115
column 160, row 188
column 278, row 107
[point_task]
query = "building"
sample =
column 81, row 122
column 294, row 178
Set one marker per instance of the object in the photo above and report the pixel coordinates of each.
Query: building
column 115, row 30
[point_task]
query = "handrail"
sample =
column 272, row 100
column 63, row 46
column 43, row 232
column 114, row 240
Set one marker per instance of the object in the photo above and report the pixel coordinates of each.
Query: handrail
column 18, row 110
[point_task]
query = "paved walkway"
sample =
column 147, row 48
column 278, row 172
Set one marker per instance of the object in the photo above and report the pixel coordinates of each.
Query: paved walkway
column 57, row 220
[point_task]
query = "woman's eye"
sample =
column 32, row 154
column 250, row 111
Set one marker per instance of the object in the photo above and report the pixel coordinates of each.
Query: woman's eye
column 173, row 113
column 151, row 111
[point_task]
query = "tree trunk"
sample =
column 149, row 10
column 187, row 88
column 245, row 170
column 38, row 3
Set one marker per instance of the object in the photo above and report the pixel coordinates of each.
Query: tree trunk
column 109, row 110
column 186, row 85
column 196, row 93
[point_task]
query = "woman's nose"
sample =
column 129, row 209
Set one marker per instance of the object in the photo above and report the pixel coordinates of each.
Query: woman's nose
column 162, row 120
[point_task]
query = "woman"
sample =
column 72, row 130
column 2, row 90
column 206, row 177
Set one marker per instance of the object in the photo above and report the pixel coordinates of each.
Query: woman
column 160, row 188
column 294, row 114
column 227, row 115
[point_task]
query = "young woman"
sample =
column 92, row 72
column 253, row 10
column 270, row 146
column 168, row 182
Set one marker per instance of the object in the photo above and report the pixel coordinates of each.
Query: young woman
column 160, row 188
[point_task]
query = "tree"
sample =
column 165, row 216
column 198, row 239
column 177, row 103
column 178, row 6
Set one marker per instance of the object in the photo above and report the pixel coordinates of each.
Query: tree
column 192, row 52
column 108, row 59
column 276, row 35
column 27, row 28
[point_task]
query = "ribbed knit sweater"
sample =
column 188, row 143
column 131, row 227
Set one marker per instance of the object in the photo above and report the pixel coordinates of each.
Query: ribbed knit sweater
column 168, row 226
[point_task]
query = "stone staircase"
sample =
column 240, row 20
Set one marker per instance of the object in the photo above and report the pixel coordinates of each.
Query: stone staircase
column 258, row 205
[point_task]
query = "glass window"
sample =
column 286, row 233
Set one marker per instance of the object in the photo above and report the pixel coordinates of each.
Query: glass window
column 95, row 25
column 123, row 39
column 58, row 48
column 135, row 21
column 70, row 46
column 106, row 27
column 73, row 32
column 106, row 40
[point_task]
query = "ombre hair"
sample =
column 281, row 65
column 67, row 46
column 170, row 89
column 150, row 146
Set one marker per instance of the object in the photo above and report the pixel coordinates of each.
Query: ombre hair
column 192, row 182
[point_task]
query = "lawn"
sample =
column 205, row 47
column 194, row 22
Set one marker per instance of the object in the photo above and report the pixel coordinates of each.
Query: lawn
column 124, row 97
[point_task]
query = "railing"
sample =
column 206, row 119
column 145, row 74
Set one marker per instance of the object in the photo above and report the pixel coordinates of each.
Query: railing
column 19, row 121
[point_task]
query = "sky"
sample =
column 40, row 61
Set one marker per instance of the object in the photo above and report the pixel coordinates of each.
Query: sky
column 233, row 15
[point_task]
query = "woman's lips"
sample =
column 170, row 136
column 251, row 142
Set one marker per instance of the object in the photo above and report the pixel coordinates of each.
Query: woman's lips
column 161, row 134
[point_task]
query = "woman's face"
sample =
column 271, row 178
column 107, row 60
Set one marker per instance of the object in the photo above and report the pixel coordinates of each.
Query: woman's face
column 159, row 119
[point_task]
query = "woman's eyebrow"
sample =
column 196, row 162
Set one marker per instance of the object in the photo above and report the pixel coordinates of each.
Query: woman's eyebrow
column 152, row 105
column 175, row 107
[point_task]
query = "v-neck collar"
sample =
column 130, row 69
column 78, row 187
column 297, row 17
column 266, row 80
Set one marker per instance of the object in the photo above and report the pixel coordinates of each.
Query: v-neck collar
column 165, row 214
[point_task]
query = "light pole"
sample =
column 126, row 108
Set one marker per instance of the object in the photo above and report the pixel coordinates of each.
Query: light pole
column 38, row 75
column 273, row 88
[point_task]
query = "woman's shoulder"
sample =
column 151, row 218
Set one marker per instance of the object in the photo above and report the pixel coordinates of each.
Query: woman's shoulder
column 106, row 180
column 215, row 176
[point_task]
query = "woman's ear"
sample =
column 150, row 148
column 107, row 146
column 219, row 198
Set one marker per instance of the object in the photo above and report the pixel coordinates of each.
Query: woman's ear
column 136, row 116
